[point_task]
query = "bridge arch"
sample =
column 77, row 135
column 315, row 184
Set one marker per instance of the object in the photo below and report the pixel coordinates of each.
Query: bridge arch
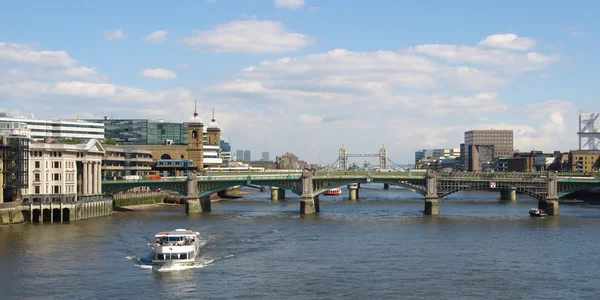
column 498, row 187
column 221, row 187
column 159, row 185
column 406, row 186
column 576, row 189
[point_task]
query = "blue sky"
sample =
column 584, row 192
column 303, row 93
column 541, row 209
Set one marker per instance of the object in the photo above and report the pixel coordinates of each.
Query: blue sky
column 308, row 76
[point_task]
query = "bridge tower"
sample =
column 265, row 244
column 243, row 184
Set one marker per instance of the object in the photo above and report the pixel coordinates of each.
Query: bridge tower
column 343, row 160
column 550, row 204
column 195, row 147
column 383, row 158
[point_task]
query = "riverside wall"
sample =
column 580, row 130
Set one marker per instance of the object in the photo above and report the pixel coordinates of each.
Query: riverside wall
column 128, row 199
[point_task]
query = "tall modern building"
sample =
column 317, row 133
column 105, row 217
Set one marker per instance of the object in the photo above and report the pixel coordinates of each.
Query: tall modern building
column 144, row 131
column 265, row 156
column 247, row 155
column 57, row 129
column 482, row 147
column 239, row 154
column 589, row 131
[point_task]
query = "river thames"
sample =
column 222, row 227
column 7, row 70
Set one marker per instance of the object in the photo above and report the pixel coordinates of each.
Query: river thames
column 381, row 247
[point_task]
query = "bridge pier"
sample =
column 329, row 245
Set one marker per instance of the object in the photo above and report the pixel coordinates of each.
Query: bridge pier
column 386, row 186
column 352, row 192
column 196, row 205
column 277, row 194
column 309, row 205
column 550, row 204
column 432, row 206
column 508, row 194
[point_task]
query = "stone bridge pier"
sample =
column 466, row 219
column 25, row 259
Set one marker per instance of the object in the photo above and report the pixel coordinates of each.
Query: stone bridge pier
column 309, row 204
column 277, row 194
column 550, row 204
column 353, row 192
column 193, row 203
column 432, row 206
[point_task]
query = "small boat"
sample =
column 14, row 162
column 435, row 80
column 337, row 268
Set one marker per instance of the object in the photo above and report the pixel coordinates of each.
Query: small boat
column 178, row 247
column 333, row 192
column 536, row 212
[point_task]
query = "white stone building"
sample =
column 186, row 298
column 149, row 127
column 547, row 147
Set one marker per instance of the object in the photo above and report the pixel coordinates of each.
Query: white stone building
column 64, row 172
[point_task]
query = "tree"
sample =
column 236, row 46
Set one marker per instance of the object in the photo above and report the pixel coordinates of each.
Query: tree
column 109, row 142
column 71, row 141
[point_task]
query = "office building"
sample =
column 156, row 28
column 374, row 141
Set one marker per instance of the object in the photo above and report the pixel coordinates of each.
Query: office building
column 247, row 156
column 118, row 163
column 64, row 172
column 482, row 147
column 57, row 129
column 225, row 153
column 144, row 131
column 589, row 131
column 265, row 156
column 239, row 154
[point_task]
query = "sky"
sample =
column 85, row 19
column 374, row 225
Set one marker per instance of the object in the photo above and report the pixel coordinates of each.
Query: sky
column 311, row 76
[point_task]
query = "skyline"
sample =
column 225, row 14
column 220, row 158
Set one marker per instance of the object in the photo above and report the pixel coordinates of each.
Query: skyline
column 310, row 76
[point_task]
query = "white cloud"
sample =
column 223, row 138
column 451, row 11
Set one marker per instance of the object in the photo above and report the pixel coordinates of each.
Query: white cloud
column 158, row 73
column 157, row 37
column 76, row 73
column 289, row 4
column 313, row 9
column 248, row 36
column 114, row 36
column 508, row 41
column 23, row 54
column 513, row 62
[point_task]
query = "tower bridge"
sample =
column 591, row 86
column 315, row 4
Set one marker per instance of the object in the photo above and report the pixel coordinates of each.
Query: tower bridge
column 341, row 163
column 547, row 187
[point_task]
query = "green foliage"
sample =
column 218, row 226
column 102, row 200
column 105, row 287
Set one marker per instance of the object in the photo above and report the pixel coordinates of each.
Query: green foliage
column 71, row 141
column 109, row 142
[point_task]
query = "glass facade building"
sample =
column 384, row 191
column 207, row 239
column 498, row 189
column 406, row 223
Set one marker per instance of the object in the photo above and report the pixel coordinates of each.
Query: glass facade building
column 144, row 132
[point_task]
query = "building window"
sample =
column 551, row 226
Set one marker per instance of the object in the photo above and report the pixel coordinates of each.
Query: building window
column 36, row 177
column 56, row 189
column 37, row 164
column 57, row 164
column 56, row 176
column 36, row 190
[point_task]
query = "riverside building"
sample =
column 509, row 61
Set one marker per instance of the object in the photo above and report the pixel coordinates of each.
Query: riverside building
column 169, row 140
column 57, row 129
column 482, row 147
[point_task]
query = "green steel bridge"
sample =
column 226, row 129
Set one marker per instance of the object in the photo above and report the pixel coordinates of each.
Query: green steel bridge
column 544, row 186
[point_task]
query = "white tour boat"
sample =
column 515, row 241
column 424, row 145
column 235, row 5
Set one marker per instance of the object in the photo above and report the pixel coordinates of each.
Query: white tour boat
column 179, row 247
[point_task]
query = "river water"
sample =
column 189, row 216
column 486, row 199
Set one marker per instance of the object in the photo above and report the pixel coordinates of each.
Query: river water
column 381, row 247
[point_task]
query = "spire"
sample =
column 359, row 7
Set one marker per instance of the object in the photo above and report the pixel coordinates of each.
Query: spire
column 213, row 119
column 195, row 108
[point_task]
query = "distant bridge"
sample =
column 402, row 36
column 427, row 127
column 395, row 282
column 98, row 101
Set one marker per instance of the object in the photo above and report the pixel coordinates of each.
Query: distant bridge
column 546, row 187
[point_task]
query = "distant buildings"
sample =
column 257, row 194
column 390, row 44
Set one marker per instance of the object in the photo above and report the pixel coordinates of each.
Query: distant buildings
column 247, row 155
column 290, row 161
column 239, row 154
column 436, row 153
column 265, row 156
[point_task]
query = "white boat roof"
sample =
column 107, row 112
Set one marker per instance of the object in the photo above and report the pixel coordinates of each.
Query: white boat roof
column 176, row 232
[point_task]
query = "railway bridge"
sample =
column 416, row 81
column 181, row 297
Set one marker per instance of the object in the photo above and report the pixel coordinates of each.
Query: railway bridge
column 547, row 187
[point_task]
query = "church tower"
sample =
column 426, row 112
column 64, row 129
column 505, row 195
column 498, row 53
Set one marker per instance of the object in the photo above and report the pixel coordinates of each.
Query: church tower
column 195, row 147
column 213, row 132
